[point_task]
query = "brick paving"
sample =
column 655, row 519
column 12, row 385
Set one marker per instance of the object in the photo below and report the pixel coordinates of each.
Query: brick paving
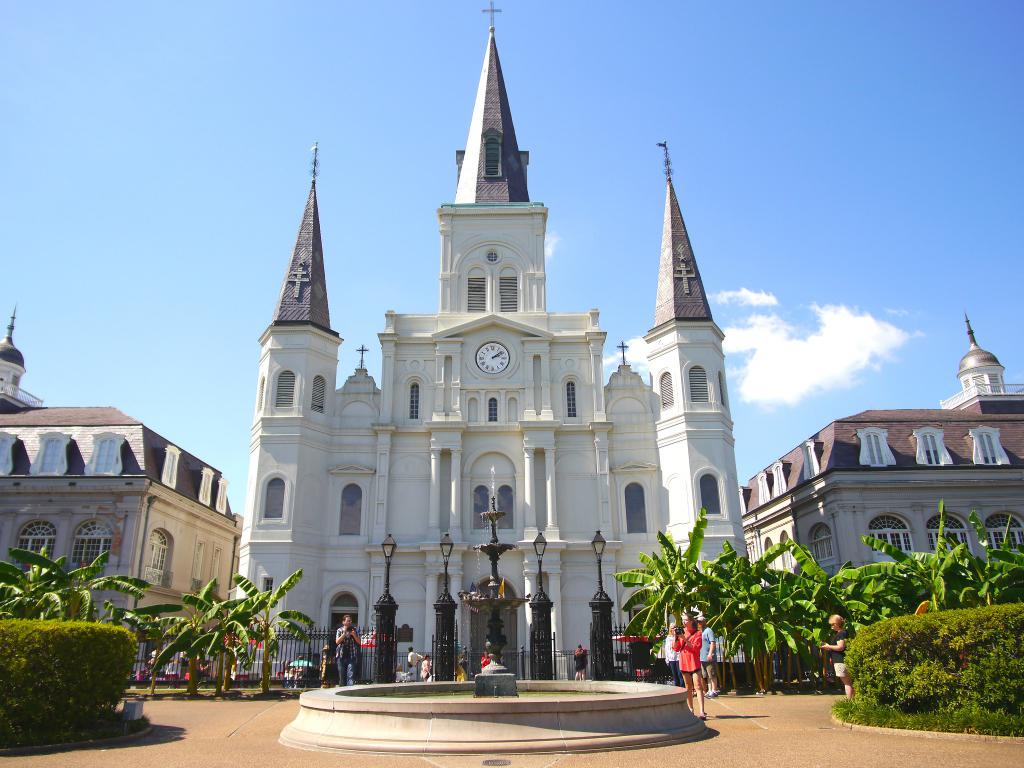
column 787, row 731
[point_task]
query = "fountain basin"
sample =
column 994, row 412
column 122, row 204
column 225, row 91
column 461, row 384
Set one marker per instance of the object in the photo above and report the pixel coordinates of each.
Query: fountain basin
column 426, row 718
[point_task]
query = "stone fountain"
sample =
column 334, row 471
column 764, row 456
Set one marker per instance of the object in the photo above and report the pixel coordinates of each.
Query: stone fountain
column 494, row 679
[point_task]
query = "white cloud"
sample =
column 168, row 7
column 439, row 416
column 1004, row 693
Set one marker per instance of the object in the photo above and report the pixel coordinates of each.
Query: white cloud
column 745, row 297
column 779, row 367
column 636, row 355
column 897, row 312
column 551, row 242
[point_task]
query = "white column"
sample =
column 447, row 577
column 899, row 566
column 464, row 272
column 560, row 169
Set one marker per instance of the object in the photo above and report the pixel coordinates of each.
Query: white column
column 439, row 382
column 529, row 513
column 430, row 583
column 387, row 349
column 455, row 513
column 380, row 519
column 549, row 476
column 434, row 514
column 603, row 483
column 553, row 586
column 528, row 404
column 545, row 384
column 597, row 375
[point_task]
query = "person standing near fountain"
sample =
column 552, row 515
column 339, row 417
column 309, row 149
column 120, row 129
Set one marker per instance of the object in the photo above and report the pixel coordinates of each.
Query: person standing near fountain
column 689, row 664
column 348, row 651
column 580, row 657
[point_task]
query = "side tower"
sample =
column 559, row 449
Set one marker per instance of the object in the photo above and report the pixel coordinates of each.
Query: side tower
column 288, row 482
column 694, row 427
column 12, row 368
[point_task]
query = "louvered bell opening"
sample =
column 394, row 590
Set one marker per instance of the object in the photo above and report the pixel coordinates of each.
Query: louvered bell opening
column 492, row 158
column 285, row 395
column 665, row 389
column 698, row 385
column 476, row 300
column 319, row 394
column 508, row 289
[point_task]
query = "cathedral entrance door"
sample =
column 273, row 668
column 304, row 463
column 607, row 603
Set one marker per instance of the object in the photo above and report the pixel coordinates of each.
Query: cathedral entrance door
column 478, row 631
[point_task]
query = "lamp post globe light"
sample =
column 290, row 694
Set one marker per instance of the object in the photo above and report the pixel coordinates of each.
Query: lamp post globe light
column 385, row 609
column 541, row 640
column 444, row 628
column 601, row 620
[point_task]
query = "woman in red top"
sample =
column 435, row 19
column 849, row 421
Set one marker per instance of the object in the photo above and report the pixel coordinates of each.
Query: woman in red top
column 688, row 647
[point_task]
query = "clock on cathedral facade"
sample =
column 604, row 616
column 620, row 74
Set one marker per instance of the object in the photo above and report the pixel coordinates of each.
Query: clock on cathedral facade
column 490, row 383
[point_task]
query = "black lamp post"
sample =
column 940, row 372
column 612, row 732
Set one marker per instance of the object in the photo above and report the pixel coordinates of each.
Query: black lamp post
column 541, row 665
column 386, row 656
column 444, row 632
column 601, row 620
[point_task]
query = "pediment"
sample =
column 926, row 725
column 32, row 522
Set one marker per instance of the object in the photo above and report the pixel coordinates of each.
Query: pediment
column 635, row 466
column 492, row 321
column 351, row 469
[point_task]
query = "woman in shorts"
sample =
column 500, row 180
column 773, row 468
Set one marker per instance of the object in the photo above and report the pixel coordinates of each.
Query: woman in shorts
column 689, row 665
column 837, row 652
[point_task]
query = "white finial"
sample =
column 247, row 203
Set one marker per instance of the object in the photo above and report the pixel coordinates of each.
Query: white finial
column 492, row 479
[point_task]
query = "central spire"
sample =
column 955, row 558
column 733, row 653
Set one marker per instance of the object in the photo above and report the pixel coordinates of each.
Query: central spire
column 492, row 169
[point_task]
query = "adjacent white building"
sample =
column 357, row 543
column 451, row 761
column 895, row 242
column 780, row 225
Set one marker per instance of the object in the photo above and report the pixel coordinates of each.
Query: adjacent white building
column 492, row 379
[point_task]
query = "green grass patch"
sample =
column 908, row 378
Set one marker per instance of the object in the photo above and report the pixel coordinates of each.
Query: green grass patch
column 961, row 720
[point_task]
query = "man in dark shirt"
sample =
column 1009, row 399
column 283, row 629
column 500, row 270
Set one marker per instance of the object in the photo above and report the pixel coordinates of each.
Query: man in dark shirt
column 347, row 654
column 837, row 652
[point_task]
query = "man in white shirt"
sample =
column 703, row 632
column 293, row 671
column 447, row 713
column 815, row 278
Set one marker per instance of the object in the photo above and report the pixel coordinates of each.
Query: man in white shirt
column 414, row 662
column 672, row 655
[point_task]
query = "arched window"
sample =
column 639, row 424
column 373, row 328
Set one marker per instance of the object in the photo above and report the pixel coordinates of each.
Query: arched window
column 37, row 535
column 709, row 498
column 273, row 500
column 821, row 543
column 721, row 390
column 508, row 292
column 345, row 604
column 259, row 394
column 891, row 530
column 106, row 458
column 492, row 409
column 954, row 531
column 476, row 293
column 513, row 409
column 319, row 394
column 767, row 545
column 698, row 384
column 92, row 539
column 351, row 510
column 471, row 411
column 636, row 509
column 1004, row 531
column 787, row 557
column 158, row 546
column 492, row 156
column 505, row 502
column 414, row 401
column 481, row 503
column 285, row 394
column 570, row 399
column 668, row 398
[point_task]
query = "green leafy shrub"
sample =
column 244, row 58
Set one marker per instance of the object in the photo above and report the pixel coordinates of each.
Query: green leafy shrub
column 58, row 679
column 971, row 659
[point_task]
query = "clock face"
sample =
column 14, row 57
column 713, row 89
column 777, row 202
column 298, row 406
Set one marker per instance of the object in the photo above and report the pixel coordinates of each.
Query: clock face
column 492, row 357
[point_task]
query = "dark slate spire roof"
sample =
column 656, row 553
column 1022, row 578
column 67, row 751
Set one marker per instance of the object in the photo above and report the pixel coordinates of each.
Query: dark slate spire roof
column 680, row 290
column 8, row 352
column 492, row 116
column 304, row 291
column 976, row 356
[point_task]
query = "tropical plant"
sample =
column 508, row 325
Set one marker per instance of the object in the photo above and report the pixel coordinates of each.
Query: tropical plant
column 155, row 624
column 41, row 588
column 262, row 625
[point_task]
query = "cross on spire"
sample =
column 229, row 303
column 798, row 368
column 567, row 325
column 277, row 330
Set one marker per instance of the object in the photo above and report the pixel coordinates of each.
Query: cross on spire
column 668, row 160
column 491, row 10
column 315, row 149
column 622, row 347
column 362, row 351
column 683, row 270
column 298, row 276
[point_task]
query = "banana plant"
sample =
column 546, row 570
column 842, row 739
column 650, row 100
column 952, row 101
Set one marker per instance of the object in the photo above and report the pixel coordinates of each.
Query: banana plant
column 155, row 624
column 41, row 588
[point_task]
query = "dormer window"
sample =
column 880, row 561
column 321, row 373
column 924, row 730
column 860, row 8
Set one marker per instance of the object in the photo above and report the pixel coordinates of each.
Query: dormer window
column 52, row 458
column 206, row 486
column 931, row 448
column 169, row 476
column 222, row 496
column 874, row 448
column 778, row 479
column 762, row 488
column 492, row 156
column 987, row 447
column 106, row 455
column 811, row 466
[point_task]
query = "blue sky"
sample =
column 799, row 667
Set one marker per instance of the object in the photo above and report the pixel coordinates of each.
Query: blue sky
column 860, row 165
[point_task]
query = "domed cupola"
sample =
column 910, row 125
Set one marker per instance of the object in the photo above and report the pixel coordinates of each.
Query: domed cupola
column 12, row 362
column 979, row 368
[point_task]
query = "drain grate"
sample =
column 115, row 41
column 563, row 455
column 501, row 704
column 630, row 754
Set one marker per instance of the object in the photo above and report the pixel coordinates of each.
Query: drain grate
column 496, row 762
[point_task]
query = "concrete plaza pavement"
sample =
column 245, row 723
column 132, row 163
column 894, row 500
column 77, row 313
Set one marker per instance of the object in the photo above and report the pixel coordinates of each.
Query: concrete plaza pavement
column 789, row 731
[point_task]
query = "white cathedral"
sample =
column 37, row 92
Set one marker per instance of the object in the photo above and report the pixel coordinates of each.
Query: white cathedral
column 492, row 380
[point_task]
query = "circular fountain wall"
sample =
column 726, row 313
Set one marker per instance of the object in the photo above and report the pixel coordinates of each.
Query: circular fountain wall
column 443, row 718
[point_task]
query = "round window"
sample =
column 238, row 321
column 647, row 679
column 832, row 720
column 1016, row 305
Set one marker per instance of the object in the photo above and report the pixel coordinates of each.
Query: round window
column 492, row 256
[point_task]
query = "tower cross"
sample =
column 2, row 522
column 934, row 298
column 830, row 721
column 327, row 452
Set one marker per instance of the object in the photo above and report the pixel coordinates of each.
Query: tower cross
column 298, row 276
column 362, row 351
column 622, row 347
column 315, row 149
column 683, row 270
column 491, row 10
column 668, row 160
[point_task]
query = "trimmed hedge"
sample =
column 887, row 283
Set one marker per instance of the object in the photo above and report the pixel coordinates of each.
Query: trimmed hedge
column 971, row 659
column 59, row 679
